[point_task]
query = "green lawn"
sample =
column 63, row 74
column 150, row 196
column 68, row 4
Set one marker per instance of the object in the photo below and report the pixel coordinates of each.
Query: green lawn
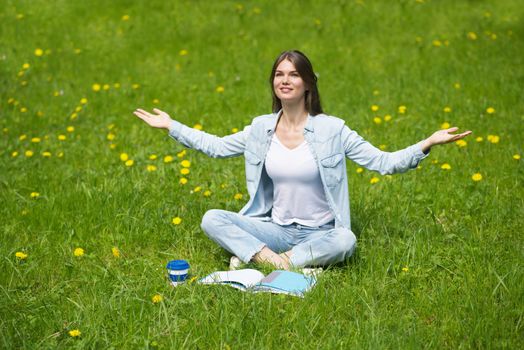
column 440, row 256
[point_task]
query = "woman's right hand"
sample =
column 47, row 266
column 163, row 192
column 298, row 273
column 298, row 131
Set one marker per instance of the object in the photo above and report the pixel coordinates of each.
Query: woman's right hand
column 159, row 120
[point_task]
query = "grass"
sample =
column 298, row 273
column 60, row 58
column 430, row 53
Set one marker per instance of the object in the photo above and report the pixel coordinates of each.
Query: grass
column 439, row 262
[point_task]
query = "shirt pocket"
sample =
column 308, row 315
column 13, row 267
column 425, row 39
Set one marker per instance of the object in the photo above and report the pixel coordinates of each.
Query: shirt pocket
column 253, row 163
column 332, row 168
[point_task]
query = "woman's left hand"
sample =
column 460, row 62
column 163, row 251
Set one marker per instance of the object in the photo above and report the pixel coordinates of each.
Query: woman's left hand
column 443, row 136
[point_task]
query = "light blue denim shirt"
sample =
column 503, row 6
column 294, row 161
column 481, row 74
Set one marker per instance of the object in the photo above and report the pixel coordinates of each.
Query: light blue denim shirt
column 330, row 141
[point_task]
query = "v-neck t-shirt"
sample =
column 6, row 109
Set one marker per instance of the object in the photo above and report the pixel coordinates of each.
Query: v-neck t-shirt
column 298, row 194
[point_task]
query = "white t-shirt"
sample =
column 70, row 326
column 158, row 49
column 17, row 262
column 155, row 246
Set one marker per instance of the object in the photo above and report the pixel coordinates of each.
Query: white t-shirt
column 298, row 195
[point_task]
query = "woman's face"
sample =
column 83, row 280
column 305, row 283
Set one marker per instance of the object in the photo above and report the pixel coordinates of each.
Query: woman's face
column 288, row 84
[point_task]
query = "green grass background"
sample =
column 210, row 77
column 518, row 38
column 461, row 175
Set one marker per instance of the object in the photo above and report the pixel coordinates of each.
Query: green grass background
column 460, row 240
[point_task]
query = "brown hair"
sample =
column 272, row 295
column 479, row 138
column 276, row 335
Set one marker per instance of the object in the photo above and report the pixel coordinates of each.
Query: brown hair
column 305, row 70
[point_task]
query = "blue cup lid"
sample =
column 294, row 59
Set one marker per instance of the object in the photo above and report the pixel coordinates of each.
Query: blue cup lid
column 177, row 265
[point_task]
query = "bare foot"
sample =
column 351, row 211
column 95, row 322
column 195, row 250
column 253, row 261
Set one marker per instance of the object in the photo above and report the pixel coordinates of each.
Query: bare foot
column 266, row 255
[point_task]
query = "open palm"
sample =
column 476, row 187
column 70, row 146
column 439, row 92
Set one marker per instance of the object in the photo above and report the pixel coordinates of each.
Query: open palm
column 159, row 120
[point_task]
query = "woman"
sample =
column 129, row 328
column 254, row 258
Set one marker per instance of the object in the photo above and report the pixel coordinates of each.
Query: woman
column 298, row 211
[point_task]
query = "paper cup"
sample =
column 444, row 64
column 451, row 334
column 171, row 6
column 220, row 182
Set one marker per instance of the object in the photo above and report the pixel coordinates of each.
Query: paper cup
column 177, row 271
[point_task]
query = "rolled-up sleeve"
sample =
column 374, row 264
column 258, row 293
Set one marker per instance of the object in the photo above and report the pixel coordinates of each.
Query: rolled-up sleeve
column 365, row 154
column 214, row 146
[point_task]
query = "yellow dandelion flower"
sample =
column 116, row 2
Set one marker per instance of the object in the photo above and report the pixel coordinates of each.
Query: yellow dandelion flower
column 125, row 18
column 40, row 114
column 124, row 157
column 456, row 86
column 70, row 129
column 476, row 177
column 472, row 36
column 445, row 166
column 39, row 52
column 493, row 138
column 21, row 255
column 74, row 333
column 181, row 154
column 197, row 189
column 25, row 66
column 447, row 109
column 78, row 108
column 405, row 269
column 60, row 154
column 402, row 109
column 207, row 193
column 238, row 196
column 110, row 136
column 479, row 139
column 234, row 130
column 360, row 170
column 168, row 159
column 382, row 147
column 377, row 120
column 437, row 43
column 46, row 154
column 77, row 51
column 182, row 181
column 105, row 87
column 116, row 85
column 183, row 52
column 73, row 116
column 157, row 298
column 387, row 118
column 36, row 139
column 374, row 180
column 14, row 154
column 116, row 252
column 374, row 108
column 151, row 168
column 112, row 146
column 185, row 163
column 219, row 89
column 516, row 156
column 153, row 157
column 78, row 252
column 29, row 153
column 130, row 162
column 461, row 143
column 197, row 126
column 83, row 100
column 22, row 137
column 445, row 125
column 135, row 86
column 96, row 87
column 156, row 101
column 184, row 171
column 35, row 195
column 176, row 220
column 490, row 110
column 23, row 110
column 62, row 137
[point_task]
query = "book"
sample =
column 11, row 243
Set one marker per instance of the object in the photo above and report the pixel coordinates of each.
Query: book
column 250, row 280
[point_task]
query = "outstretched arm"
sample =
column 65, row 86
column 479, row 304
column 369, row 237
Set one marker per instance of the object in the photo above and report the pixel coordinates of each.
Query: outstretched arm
column 370, row 157
column 213, row 146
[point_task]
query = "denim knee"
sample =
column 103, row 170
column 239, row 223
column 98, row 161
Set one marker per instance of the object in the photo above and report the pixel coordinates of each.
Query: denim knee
column 346, row 241
column 210, row 220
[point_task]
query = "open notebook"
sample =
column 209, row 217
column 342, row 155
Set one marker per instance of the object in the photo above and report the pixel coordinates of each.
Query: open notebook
column 278, row 281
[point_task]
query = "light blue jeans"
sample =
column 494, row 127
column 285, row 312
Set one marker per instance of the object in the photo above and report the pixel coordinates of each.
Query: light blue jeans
column 245, row 236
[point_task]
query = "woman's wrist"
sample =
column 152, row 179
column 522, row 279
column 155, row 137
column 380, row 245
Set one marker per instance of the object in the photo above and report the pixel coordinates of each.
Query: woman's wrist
column 426, row 145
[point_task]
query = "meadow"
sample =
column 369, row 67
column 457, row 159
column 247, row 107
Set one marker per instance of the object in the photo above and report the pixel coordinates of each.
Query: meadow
column 94, row 203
